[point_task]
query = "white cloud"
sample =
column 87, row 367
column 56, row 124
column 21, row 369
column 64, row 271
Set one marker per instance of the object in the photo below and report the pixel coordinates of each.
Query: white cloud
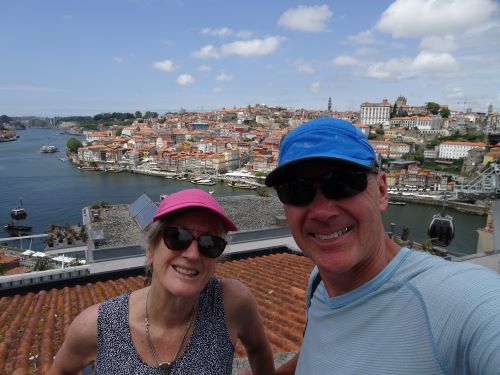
column 185, row 79
column 224, row 77
column 206, row 52
column 222, row 31
column 244, row 34
column 165, row 65
column 27, row 88
column 254, row 47
column 364, row 37
column 444, row 43
column 391, row 69
column 425, row 64
column 306, row 18
column 204, row 68
column 119, row 60
column 315, row 87
column 345, row 60
column 365, row 51
column 436, row 63
column 418, row 18
column 303, row 67
column 454, row 93
column 216, row 90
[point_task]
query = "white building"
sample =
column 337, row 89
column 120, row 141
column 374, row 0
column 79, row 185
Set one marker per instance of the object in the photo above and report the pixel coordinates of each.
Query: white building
column 457, row 150
column 375, row 113
column 422, row 123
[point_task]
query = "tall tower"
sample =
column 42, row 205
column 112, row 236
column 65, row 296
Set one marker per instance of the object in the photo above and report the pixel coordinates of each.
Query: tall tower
column 330, row 104
column 490, row 108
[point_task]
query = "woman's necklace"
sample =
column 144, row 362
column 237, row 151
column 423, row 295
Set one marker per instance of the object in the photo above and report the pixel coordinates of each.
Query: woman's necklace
column 165, row 367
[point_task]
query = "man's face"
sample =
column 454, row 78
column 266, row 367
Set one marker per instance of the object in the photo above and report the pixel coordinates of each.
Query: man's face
column 343, row 237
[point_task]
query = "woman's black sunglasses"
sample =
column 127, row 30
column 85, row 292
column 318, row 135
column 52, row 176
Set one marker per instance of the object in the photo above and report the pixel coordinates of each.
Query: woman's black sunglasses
column 179, row 239
column 300, row 191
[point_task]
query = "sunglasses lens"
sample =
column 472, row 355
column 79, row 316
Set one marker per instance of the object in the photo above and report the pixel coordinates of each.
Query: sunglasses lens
column 211, row 246
column 297, row 192
column 301, row 191
column 343, row 185
column 177, row 238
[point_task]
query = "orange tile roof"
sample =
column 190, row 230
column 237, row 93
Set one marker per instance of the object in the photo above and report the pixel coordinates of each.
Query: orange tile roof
column 35, row 323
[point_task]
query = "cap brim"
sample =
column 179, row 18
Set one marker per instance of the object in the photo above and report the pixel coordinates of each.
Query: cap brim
column 283, row 173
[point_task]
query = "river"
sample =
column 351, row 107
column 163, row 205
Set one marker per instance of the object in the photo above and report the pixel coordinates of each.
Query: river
column 55, row 191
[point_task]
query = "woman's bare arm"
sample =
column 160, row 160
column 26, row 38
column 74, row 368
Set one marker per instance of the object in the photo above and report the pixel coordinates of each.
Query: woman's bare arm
column 79, row 346
column 243, row 314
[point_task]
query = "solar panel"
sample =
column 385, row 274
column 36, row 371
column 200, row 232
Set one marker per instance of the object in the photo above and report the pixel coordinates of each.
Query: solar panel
column 143, row 210
column 139, row 204
column 145, row 217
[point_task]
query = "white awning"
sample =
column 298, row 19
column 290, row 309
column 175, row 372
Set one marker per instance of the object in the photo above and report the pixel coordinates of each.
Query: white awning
column 28, row 252
column 64, row 259
column 39, row 254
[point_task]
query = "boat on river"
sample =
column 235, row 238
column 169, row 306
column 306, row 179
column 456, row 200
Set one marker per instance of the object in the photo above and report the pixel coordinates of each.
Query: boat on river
column 88, row 168
column 17, row 228
column 48, row 149
column 19, row 212
column 241, row 185
column 397, row 203
column 204, row 181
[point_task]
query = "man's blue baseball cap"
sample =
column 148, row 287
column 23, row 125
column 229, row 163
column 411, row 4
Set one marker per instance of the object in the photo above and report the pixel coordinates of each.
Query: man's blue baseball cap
column 323, row 138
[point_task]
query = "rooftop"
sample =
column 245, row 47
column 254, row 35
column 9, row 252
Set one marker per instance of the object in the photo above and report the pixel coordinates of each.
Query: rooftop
column 33, row 325
column 116, row 227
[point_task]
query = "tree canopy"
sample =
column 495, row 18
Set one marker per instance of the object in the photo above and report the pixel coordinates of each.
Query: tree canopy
column 433, row 107
column 4, row 119
column 444, row 112
column 73, row 144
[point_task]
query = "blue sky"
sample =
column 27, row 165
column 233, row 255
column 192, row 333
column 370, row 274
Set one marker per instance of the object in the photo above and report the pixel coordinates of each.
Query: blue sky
column 72, row 57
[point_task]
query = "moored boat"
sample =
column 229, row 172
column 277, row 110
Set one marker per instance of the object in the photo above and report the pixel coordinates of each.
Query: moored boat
column 397, row 203
column 88, row 168
column 18, row 228
column 19, row 212
column 48, row 149
column 204, row 181
column 241, row 185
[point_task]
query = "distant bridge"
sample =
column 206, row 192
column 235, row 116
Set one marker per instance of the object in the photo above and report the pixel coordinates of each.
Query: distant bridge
column 484, row 185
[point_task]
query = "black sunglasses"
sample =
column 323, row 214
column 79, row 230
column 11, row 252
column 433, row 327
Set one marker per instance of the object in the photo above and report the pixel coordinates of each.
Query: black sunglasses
column 179, row 239
column 300, row 191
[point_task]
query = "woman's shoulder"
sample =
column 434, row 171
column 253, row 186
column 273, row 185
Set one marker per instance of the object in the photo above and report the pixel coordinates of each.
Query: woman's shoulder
column 233, row 287
column 85, row 323
column 235, row 295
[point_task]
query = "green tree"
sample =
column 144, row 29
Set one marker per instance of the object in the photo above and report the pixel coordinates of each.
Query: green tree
column 433, row 107
column 4, row 119
column 73, row 145
column 444, row 112
column 43, row 264
column 138, row 114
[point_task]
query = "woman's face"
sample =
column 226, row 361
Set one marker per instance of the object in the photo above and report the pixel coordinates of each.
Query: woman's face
column 185, row 272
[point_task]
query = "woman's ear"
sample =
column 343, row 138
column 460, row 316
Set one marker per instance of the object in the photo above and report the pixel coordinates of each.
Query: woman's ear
column 149, row 256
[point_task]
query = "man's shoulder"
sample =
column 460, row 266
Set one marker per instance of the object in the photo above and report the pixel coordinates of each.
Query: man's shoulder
column 433, row 277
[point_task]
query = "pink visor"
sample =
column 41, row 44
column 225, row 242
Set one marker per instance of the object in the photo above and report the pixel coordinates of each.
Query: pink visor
column 191, row 198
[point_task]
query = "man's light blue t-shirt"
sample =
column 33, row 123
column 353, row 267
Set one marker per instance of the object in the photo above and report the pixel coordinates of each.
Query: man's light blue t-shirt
column 421, row 315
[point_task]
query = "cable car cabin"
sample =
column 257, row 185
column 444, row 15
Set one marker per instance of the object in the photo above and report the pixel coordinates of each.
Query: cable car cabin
column 441, row 230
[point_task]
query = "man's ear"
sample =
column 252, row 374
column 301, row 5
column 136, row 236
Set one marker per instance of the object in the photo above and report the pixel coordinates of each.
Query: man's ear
column 382, row 190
